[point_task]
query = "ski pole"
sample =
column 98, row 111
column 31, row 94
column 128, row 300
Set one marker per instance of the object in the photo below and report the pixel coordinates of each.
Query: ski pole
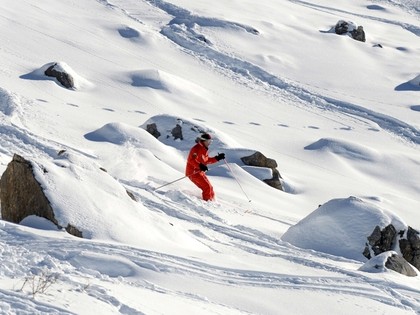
column 249, row 200
column 176, row 180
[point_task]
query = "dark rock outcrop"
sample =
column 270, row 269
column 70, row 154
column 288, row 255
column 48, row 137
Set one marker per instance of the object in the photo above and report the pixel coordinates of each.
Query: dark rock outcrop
column 177, row 132
column 407, row 242
column 152, row 129
column 21, row 195
column 131, row 195
column 341, row 27
column 64, row 78
column 410, row 247
column 382, row 241
column 349, row 28
column 260, row 160
column 358, row 34
column 74, row 231
column 400, row 265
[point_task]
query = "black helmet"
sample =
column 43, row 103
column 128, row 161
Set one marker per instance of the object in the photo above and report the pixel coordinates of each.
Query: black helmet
column 205, row 136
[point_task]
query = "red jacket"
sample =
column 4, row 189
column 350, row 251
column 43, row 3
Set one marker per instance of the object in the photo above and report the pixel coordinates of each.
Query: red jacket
column 198, row 154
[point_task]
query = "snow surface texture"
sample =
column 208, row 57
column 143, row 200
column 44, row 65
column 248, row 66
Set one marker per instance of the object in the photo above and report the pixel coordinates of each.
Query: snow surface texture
column 340, row 117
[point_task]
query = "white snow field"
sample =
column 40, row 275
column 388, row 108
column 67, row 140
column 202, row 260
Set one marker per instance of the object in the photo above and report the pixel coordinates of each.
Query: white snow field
column 340, row 117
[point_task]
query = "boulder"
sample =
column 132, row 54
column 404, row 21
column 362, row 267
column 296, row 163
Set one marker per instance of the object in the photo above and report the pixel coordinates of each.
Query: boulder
column 342, row 27
column 389, row 260
column 358, row 34
column 382, row 241
column 410, row 247
column 63, row 77
column 260, row 160
column 153, row 130
column 407, row 242
column 350, row 28
column 177, row 132
column 21, row 195
column 400, row 265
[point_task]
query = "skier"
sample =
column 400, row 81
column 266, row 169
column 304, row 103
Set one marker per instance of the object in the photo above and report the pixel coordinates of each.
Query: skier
column 197, row 161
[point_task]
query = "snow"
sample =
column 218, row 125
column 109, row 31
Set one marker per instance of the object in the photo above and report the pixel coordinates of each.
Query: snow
column 340, row 117
column 339, row 227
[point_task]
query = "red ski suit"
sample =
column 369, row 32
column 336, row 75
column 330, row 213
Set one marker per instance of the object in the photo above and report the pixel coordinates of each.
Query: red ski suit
column 199, row 154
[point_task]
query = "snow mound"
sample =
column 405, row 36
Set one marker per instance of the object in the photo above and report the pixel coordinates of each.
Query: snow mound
column 129, row 33
column 9, row 102
column 377, row 263
column 39, row 223
column 347, row 149
column 416, row 81
column 190, row 131
column 116, row 133
column 137, row 138
column 340, row 227
column 99, row 206
column 79, row 81
column 161, row 80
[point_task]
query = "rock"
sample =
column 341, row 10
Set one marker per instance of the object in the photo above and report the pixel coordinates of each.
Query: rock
column 152, row 129
column 366, row 252
column 341, row 27
column 260, row 160
column 381, row 241
column 21, row 195
column 63, row 77
column 359, row 34
column 349, row 28
column 74, row 231
column 389, row 260
column 275, row 180
column 177, row 132
column 375, row 237
column 131, row 195
column 400, row 265
column 410, row 247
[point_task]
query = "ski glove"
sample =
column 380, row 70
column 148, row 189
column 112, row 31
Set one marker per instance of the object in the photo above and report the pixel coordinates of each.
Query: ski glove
column 203, row 167
column 220, row 156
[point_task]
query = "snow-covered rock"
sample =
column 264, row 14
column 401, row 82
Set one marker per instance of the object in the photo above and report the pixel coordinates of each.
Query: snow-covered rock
column 340, row 227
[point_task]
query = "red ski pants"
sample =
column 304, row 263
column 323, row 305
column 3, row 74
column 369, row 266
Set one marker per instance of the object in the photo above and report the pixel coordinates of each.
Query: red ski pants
column 201, row 181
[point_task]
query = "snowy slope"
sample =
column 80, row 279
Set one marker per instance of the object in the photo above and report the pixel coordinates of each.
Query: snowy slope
column 340, row 117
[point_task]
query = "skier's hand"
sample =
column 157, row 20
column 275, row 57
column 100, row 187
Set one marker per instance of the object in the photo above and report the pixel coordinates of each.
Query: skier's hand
column 220, row 156
column 203, row 167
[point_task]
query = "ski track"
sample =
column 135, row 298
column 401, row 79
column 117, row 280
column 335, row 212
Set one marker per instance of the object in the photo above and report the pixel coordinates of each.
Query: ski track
column 30, row 307
column 30, row 251
column 24, row 253
column 180, row 30
column 32, row 254
column 255, row 242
